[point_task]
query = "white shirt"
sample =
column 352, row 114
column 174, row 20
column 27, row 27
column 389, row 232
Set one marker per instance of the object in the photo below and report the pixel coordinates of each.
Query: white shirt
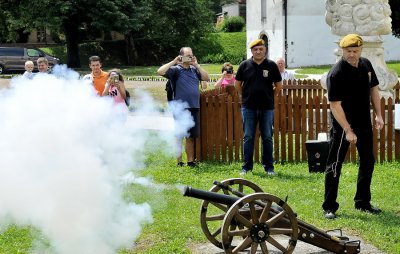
column 286, row 75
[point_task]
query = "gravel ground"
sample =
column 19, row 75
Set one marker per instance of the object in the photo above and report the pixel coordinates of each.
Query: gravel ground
column 129, row 84
column 301, row 248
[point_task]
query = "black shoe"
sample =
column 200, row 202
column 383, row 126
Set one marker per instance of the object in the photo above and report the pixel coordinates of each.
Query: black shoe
column 192, row 164
column 330, row 215
column 369, row 209
column 180, row 164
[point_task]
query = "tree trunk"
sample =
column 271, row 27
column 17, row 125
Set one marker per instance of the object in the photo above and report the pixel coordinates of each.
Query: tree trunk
column 131, row 52
column 71, row 30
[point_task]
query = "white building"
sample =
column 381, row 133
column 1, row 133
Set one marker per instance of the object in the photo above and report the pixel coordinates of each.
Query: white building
column 297, row 31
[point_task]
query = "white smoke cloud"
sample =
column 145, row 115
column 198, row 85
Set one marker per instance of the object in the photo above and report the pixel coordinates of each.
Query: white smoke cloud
column 63, row 153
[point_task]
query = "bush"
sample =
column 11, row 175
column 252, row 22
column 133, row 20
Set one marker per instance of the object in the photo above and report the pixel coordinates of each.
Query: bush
column 221, row 47
column 233, row 24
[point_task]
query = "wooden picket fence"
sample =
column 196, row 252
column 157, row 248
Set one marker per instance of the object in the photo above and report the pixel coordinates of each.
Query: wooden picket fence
column 301, row 112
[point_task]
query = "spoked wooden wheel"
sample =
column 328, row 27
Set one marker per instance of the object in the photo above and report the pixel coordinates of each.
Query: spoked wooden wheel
column 212, row 214
column 264, row 219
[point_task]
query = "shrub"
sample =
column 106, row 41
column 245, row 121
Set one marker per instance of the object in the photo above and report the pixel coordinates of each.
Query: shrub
column 221, row 47
column 233, row 24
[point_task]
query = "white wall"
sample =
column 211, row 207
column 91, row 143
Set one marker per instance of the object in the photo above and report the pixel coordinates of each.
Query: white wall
column 310, row 41
column 272, row 27
column 231, row 9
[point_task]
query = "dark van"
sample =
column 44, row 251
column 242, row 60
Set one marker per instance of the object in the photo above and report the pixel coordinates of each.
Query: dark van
column 14, row 58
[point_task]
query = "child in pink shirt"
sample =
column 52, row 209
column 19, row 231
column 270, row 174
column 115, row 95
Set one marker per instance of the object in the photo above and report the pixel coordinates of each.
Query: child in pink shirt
column 227, row 78
column 115, row 87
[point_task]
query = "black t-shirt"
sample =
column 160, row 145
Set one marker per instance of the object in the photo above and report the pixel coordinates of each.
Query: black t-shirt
column 258, row 83
column 352, row 86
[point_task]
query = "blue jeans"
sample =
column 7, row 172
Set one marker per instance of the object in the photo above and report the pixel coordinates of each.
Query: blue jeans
column 250, row 118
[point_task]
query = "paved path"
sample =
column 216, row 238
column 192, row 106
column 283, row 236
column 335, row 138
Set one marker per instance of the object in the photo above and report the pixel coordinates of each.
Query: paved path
column 301, row 248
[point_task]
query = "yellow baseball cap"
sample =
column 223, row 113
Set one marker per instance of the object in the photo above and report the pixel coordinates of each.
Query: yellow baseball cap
column 351, row 40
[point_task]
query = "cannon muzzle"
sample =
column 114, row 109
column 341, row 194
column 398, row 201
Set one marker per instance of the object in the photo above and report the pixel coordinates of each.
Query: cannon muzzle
column 209, row 196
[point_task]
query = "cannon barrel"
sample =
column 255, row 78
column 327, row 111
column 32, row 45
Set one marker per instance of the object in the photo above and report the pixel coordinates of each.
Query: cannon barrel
column 209, row 196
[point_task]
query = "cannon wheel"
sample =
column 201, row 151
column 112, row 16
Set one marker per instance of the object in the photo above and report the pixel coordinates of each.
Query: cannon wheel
column 269, row 217
column 212, row 214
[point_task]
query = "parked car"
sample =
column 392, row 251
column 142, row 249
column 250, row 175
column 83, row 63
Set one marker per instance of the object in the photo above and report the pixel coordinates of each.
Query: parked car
column 14, row 58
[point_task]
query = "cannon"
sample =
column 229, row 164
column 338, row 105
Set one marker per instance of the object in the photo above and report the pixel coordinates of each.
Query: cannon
column 236, row 215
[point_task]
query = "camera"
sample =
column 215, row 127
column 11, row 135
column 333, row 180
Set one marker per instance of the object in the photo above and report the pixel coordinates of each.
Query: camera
column 229, row 71
column 186, row 59
column 115, row 79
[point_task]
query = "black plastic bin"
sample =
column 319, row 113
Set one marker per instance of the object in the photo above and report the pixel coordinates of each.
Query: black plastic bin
column 317, row 153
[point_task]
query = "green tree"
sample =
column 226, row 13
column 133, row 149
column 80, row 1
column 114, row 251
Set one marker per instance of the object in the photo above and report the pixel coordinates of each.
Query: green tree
column 395, row 7
column 163, row 24
column 69, row 17
column 169, row 25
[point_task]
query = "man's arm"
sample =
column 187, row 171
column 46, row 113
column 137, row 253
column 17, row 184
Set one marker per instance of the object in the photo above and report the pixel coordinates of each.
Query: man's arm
column 376, row 104
column 238, row 87
column 278, row 86
column 340, row 116
column 203, row 74
column 164, row 68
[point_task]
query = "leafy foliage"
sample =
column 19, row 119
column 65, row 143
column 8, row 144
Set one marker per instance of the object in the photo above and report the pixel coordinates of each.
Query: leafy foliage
column 222, row 47
column 172, row 25
column 150, row 26
column 233, row 24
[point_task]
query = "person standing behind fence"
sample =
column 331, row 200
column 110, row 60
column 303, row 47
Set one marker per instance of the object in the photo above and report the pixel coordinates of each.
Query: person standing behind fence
column 227, row 78
column 187, row 74
column 98, row 77
column 257, row 81
column 352, row 85
column 285, row 74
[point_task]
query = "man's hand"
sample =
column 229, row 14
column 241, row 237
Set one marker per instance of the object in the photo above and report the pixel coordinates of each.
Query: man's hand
column 350, row 136
column 379, row 123
column 194, row 62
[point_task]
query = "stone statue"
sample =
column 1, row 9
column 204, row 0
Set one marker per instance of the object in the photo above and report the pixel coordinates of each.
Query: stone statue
column 370, row 19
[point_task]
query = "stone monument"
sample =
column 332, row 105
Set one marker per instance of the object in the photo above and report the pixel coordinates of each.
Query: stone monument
column 370, row 19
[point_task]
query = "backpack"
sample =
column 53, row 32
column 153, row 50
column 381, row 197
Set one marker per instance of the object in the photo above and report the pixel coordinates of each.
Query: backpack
column 127, row 98
column 170, row 89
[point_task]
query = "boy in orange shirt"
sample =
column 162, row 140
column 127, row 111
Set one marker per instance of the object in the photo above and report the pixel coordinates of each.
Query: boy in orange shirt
column 98, row 76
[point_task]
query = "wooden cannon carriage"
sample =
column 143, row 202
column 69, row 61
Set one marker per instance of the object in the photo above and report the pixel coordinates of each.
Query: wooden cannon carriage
column 236, row 215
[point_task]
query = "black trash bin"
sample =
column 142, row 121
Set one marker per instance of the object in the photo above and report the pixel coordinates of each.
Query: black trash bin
column 317, row 153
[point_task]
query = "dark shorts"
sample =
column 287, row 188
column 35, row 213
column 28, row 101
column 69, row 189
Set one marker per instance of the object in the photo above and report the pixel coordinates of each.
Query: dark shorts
column 194, row 132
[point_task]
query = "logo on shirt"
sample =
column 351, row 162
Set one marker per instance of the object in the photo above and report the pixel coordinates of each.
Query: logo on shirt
column 265, row 73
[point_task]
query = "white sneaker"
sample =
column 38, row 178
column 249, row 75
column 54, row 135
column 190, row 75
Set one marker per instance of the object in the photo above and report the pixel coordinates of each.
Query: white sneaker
column 244, row 172
column 271, row 173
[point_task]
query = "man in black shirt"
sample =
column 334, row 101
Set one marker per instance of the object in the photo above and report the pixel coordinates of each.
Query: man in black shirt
column 257, row 79
column 352, row 85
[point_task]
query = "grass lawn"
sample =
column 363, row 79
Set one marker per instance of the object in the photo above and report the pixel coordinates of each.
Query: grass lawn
column 176, row 218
